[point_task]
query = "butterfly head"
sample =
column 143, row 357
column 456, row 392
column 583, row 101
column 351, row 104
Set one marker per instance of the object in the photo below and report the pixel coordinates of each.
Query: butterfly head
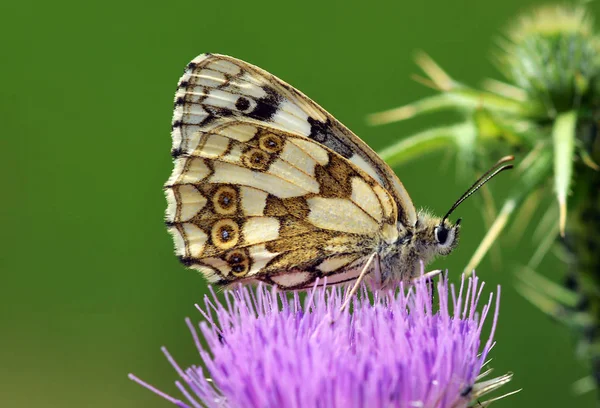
column 435, row 236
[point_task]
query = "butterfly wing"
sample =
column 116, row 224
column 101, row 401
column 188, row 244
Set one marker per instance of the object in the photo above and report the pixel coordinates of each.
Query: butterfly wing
column 252, row 202
column 217, row 89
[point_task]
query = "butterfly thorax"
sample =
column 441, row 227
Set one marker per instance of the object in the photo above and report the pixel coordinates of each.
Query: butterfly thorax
column 401, row 260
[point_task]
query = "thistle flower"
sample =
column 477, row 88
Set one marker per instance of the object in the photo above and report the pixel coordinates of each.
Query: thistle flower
column 265, row 350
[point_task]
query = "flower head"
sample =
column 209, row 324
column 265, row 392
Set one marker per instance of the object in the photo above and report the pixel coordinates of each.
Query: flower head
column 393, row 351
column 553, row 54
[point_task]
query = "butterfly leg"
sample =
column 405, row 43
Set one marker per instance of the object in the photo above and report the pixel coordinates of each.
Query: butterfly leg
column 428, row 275
column 359, row 280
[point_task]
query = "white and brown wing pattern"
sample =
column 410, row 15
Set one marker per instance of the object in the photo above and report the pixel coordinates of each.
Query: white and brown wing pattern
column 219, row 89
column 268, row 186
column 252, row 202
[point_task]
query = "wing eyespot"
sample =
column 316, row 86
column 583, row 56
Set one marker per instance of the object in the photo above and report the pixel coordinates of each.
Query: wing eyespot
column 256, row 159
column 271, row 143
column 225, row 233
column 225, row 200
column 243, row 104
column 239, row 261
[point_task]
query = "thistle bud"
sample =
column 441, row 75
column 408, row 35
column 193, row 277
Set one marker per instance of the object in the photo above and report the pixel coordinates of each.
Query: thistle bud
column 553, row 54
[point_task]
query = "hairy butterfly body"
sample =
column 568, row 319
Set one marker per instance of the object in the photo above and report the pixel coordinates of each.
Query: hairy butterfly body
column 268, row 186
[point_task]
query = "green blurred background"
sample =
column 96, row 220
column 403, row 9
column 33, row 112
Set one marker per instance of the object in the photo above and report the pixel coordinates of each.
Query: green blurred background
column 90, row 286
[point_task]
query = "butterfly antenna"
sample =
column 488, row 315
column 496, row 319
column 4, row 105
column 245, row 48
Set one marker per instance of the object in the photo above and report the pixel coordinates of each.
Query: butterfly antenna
column 497, row 168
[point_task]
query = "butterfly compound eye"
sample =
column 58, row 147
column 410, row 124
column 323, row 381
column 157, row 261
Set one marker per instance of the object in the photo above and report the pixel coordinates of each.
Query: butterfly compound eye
column 441, row 234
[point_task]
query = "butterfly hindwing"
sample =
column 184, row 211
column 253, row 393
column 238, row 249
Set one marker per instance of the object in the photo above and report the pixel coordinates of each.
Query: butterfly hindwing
column 217, row 89
column 253, row 202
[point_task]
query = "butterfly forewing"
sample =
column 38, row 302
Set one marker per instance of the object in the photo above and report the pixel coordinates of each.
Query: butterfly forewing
column 268, row 186
column 216, row 87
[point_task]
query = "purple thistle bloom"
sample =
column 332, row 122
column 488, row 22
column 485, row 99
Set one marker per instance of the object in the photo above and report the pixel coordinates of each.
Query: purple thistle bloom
column 268, row 350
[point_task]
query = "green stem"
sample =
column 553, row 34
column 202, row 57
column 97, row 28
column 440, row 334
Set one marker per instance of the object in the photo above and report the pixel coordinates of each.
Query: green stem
column 583, row 242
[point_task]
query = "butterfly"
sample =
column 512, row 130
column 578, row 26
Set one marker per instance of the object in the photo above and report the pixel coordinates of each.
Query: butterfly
column 268, row 186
